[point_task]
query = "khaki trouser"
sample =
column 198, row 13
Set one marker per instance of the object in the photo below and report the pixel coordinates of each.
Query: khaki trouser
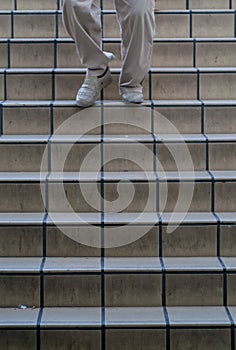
column 136, row 18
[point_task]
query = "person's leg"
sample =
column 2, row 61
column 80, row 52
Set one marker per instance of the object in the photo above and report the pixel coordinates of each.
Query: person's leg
column 137, row 22
column 81, row 19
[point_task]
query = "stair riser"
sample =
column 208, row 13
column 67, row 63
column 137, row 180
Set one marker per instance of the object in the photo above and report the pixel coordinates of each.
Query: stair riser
column 185, row 241
column 37, row 120
column 108, row 5
column 30, row 157
column 121, row 290
column 203, row 25
column 136, row 197
column 127, row 339
column 165, row 86
column 165, row 54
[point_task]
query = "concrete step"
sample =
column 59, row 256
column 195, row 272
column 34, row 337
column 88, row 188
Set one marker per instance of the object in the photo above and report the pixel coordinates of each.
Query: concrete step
column 165, row 84
column 167, row 52
column 146, row 234
column 167, row 116
column 118, row 192
column 118, row 327
column 73, row 153
column 127, row 282
column 185, row 23
column 29, row 5
column 108, row 5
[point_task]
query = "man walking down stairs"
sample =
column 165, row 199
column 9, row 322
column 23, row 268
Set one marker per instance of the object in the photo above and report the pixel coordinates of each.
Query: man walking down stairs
column 118, row 221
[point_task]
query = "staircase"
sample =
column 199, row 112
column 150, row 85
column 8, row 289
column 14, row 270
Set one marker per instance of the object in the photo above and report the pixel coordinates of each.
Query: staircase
column 117, row 264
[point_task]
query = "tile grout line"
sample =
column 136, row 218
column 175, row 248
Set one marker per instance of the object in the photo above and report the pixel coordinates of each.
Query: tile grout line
column 57, row 24
column 5, row 84
column 38, row 329
column 39, row 319
column 202, row 118
column 8, row 54
column 207, row 151
column 218, row 247
column 1, row 119
column 198, row 84
column 165, row 310
column 235, row 23
column 12, row 24
column 190, row 24
column 212, row 191
column 194, row 52
column 55, row 53
column 51, row 111
column 232, row 327
column 102, row 232
column 53, row 84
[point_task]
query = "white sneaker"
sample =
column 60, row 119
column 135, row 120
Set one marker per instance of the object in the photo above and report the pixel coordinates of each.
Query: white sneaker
column 132, row 97
column 91, row 88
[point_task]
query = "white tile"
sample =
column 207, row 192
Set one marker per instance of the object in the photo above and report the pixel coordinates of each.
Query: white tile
column 10, row 317
column 224, row 174
column 230, row 263
column 69, row 317
column 131, row 218
column 22, row 176
column 184, row 175
column 73, row 218
column 192, row 263
column 72, row 264
column 232, row 310
column 21, row 218
column 131, row 316
column 229, row 217
column 201, row 316
column 189, row 218
column 132, row 264
column 26, row 265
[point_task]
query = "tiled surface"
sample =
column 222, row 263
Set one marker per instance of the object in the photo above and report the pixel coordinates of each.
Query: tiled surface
column 133, row 290
column 205, row 339
column 185, row 69
column 132, row 339
column 10, row 317
column 19, row 289
column 18, row 339
column 186, row 316
column 72, row 290
column 60, row 339
column 130, row 317
column 80, row 317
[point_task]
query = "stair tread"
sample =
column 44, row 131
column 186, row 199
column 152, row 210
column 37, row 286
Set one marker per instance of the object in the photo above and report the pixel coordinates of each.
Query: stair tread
column 109, row 103
column 116, row 39
column 67, row 317
column 31, row 218
column 114, row 218
column 217, row 175
column 112, row 11
column 166, row 70
column 131, row 138
column 115, row 264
